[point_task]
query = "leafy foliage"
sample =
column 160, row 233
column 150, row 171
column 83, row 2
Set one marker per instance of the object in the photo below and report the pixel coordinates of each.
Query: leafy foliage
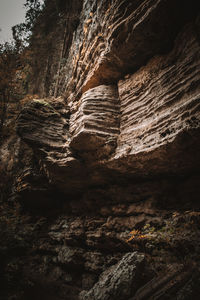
column 22, row 32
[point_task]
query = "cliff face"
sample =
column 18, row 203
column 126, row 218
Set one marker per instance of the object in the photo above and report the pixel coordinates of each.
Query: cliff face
column 117, row 151
column 143, row 123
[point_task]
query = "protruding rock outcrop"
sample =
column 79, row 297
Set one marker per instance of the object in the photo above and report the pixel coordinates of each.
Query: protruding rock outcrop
column 160, row 111
column 151, row 127
column 94, row 127
column 44, row 126
column 118, row 37
column 120, row 281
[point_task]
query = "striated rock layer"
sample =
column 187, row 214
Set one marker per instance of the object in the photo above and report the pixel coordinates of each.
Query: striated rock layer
column 148, row 124
column 116, row 37
column 95, row 124
column 116, row 155
column 44, row 125
column 160, row 111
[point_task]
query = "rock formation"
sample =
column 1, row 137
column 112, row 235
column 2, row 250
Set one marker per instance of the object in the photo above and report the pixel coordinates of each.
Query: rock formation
column 116, row 152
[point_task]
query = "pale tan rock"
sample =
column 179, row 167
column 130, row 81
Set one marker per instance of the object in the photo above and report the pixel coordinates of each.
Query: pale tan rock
column 160, row 111
column 95, row 124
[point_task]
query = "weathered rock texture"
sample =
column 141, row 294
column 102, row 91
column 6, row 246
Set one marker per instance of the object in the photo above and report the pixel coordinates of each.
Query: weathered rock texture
column 119, row 280
column 147, row 124
column 44, row 125
column 118, row 151
column 115, row 37
column 52, row 39
column 160, row 115
column 94, row 127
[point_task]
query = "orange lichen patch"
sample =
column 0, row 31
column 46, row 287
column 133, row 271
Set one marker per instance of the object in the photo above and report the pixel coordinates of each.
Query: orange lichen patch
column 88, row 21
column 136, row 234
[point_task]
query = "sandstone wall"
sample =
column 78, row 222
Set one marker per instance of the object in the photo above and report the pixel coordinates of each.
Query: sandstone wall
column 109, row 179
column 142, row 123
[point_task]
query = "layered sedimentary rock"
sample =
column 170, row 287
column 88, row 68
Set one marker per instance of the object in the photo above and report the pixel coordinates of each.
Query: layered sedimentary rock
column 44, row 125
column 160, row 110
column 94, row 127
column 53, row 36
column 116, row 37
column 147, row 124
column 119, row 152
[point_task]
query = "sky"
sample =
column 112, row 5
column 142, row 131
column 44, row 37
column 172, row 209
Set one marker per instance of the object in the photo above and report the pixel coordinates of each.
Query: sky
column 11, row 13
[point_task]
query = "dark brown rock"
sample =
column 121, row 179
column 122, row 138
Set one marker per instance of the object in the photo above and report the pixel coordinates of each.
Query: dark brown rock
column 118, row 281
column 44, row 125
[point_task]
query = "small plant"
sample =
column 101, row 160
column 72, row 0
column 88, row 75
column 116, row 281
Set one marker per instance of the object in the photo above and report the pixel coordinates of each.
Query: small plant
column 136, row 234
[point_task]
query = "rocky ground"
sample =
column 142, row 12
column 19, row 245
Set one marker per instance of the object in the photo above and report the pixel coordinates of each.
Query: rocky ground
column 144, row 253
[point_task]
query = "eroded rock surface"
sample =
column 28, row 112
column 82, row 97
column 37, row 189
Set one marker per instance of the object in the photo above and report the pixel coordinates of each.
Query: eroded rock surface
column 116, row 156
column 160, row 115
column 94, row 127
column 44, row 125
column 147, row 125
column 119, row 280
column 115, row 37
